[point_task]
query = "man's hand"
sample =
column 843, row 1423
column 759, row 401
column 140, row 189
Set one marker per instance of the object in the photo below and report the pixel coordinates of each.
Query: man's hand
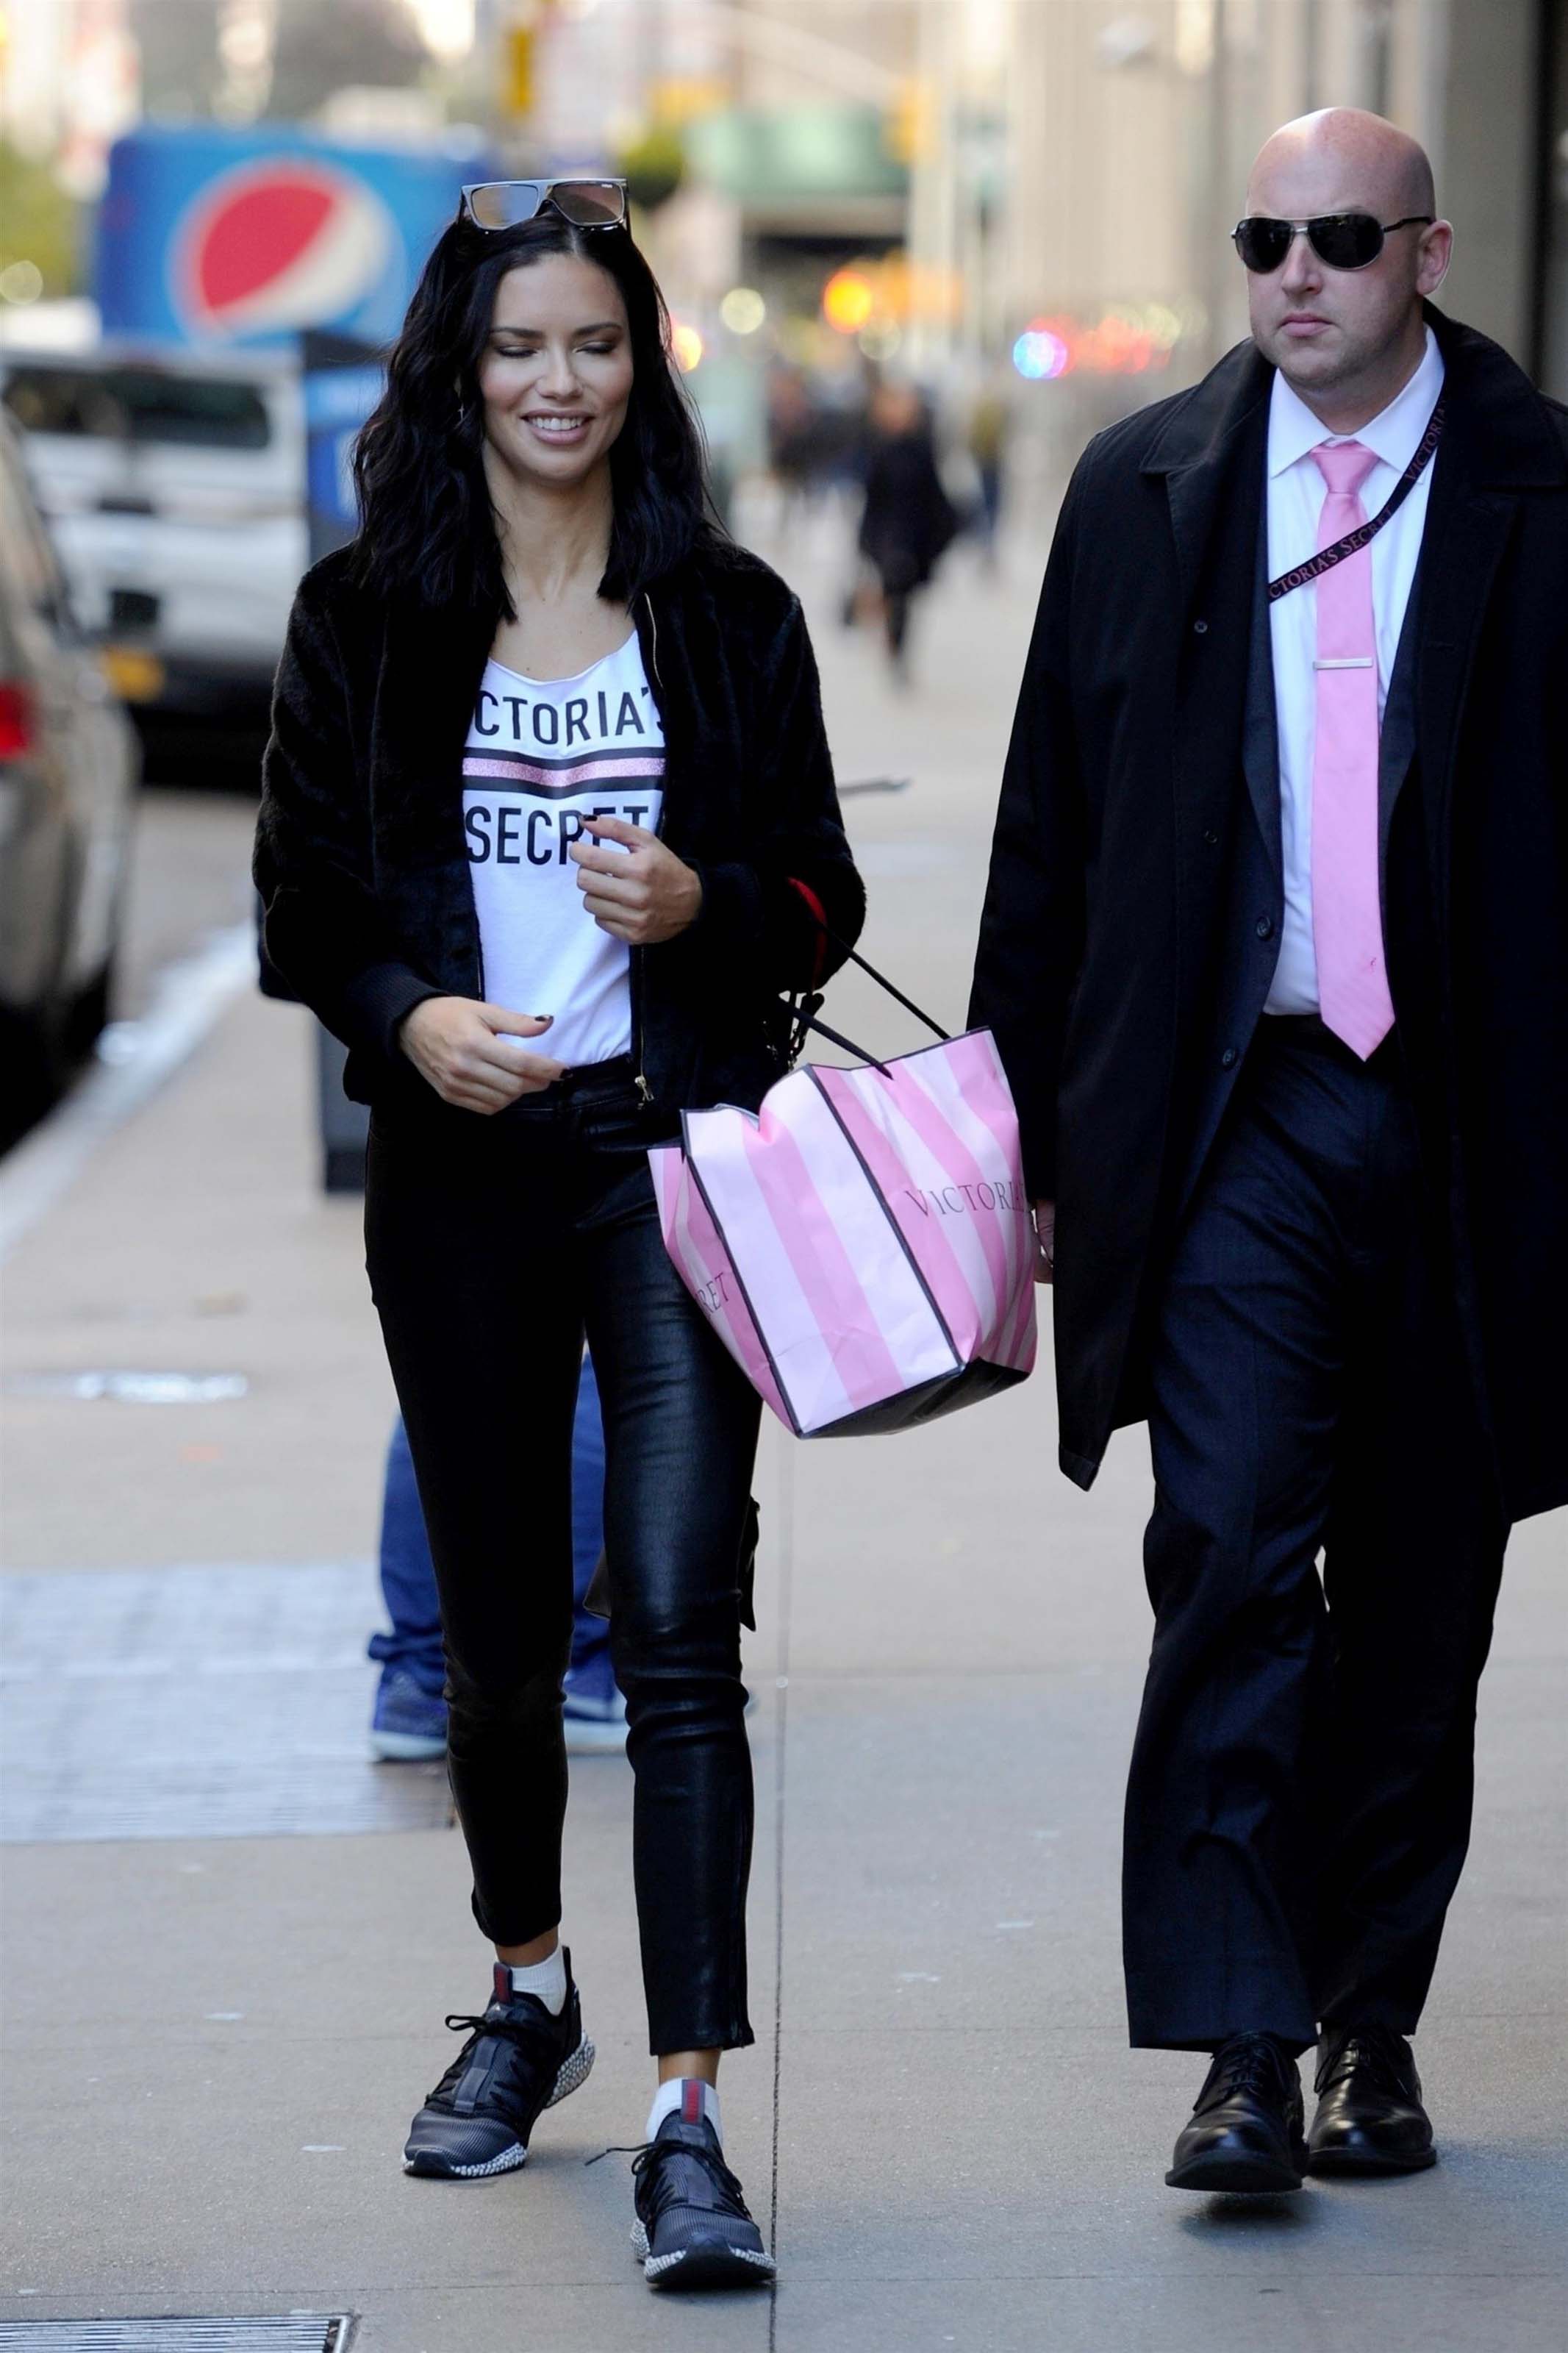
column 641, row 892
column 1045, row 1241
column 471, row 1055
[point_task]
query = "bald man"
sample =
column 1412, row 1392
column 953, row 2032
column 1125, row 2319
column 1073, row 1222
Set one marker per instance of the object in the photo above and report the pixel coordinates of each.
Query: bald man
column 1276, row 951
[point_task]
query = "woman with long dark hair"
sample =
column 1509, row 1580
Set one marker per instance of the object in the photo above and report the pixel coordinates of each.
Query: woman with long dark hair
column 548, row 824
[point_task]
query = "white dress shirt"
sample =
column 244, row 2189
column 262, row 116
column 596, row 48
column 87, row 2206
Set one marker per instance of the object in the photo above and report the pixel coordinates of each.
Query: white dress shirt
column 1295, row 495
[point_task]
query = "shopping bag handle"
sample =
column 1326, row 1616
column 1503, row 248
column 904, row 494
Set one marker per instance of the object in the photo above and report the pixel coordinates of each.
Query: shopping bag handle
column 882, row 981
column 807, row 1003
column 818, row 914
column 807, row 1010
column 847, row 1045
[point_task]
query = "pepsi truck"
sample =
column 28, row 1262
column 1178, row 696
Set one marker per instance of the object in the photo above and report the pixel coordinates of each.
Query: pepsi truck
column 193, row 460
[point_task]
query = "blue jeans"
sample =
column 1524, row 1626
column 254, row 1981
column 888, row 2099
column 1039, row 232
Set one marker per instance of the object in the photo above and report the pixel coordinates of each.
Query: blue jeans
column 408, row 1573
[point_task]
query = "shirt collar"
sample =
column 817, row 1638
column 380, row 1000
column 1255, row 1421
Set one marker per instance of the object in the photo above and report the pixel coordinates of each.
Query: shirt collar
column 1395, row 433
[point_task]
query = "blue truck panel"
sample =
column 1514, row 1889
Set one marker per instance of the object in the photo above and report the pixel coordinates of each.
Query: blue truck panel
column 246, row 237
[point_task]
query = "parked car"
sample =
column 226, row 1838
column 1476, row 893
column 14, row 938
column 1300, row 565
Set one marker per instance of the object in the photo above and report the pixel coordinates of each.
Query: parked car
column 70, row 766
column 173, row 485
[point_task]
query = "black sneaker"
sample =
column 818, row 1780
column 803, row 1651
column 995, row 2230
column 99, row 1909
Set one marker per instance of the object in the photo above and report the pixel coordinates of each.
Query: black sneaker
column 692, row 2228
column 1246, row 2130
column 517, row 2062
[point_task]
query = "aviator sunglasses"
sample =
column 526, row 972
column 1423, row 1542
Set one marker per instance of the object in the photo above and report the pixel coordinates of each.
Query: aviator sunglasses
column 507, row 204
column 1341, row 240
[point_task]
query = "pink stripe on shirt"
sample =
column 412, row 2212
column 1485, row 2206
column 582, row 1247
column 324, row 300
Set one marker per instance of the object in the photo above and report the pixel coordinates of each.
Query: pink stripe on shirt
column 648, row 769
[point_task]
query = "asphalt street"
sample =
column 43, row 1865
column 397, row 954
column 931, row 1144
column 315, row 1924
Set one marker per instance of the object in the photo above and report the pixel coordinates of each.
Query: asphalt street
column 231, row 1939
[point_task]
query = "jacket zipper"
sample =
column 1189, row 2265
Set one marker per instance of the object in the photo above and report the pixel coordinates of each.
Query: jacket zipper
column 639, row 978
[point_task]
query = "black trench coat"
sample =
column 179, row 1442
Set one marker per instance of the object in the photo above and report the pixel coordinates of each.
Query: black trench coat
column 1104, row 940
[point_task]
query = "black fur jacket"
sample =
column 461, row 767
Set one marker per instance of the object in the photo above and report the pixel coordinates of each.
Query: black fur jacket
column 361, row 862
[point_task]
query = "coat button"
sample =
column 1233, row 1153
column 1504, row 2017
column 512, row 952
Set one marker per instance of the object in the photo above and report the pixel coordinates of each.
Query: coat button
column 1264, row 927
column 1210, row 836
column 1200, row 629
column 1228, row 1059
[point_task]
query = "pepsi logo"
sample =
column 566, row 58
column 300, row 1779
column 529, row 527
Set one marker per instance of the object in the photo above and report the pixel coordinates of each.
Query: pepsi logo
column 280, row 243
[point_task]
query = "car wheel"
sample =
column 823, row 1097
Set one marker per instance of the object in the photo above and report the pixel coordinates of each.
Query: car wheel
column 37, row 1064
column 88, row 1013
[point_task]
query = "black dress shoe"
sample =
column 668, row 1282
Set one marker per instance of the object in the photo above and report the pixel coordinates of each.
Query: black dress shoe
column 1370, row 2118
column 1246, row 2131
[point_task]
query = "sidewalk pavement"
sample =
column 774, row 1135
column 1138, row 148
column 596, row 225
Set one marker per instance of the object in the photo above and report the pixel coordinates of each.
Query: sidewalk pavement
column 231, row 1939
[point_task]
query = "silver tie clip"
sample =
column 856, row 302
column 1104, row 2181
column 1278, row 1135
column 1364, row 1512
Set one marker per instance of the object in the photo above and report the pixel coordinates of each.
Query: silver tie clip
column 1342, row 661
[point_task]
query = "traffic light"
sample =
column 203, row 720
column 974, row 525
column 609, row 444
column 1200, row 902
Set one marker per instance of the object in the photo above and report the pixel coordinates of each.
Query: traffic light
column 517, row 70
column 909, row 131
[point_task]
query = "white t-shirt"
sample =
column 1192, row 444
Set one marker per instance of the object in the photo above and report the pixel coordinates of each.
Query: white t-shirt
column 542, row 754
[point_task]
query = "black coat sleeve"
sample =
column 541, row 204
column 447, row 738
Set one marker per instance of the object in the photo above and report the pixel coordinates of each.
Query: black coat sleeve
column 752, row 917
column 322, row 931
column 1032, row 928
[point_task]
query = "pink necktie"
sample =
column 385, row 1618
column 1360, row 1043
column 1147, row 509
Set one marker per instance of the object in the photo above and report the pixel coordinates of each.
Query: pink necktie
column 1347, row 922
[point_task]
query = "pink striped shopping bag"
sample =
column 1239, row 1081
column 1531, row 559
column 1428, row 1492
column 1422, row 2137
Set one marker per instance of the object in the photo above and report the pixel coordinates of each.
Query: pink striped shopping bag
column 862, row 1245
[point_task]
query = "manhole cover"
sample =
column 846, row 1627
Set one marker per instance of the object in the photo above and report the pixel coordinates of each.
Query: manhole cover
column 197, row 1703
column 286, row 2332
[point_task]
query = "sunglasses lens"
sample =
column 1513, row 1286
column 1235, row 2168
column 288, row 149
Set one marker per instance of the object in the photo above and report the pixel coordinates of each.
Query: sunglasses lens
column 590, row 204
column 502, row 204
column 1263, row 243
column 1346, row 241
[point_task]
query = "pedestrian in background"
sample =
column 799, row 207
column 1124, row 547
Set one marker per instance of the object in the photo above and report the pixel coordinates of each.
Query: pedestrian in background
column 908, row 521
column 987, row 441
column 548, row 820
column 1275, row 950
column 408, row 1722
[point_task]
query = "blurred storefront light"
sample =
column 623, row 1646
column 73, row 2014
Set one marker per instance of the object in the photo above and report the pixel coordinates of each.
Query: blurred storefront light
column 21, row 282
column 447, row 26
column 1040, row 353
column 743, row 310
column 686, row 346
column 1129, row 339
column 848, row 300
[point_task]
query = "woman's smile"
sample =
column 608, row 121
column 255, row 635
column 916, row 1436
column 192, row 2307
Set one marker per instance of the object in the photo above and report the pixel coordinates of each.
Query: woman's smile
column 564, row 432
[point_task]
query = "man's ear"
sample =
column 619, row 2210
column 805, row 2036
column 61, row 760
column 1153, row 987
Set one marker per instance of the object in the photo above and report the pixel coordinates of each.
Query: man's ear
column 1437, row 252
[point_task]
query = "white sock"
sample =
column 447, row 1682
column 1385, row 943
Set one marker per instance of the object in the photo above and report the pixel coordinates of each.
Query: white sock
column 546, row 1980
column 698, row 2103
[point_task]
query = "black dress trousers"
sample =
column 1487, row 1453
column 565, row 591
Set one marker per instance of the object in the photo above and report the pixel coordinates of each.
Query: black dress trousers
column 1299, row 1800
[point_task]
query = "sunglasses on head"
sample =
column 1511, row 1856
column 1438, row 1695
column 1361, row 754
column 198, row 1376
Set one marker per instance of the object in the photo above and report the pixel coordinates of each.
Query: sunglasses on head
column 1343, row 240
column 507, row 204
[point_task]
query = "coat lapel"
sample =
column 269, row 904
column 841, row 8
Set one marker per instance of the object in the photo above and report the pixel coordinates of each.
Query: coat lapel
column 1260, row 728
column 1211, row 454
column 1467, row 530
column 432, row 663
column 1205, row 453
column 1495, row 446
column 1396, row 736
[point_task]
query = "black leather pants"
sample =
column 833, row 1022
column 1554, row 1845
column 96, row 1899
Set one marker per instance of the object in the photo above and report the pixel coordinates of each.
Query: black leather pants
column 492, row 1244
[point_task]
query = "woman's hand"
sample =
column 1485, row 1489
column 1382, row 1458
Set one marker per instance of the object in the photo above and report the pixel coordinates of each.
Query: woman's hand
column 641, row 892
column 457, row 1045
column 1045, row 1242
